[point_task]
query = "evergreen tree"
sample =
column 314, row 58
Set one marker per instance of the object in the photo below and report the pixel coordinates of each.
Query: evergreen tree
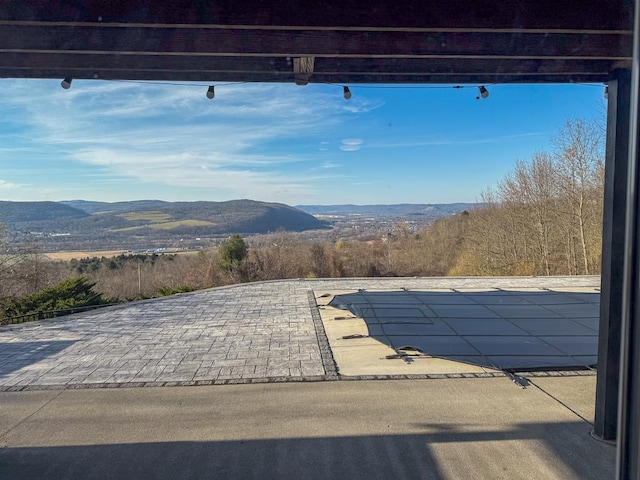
column 232, row 253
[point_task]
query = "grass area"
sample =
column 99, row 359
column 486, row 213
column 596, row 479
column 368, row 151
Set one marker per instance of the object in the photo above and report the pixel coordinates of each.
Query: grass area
column 181, row 223
column 156, row 217
column 168, row 225
column 78, row 254
column 83, row 254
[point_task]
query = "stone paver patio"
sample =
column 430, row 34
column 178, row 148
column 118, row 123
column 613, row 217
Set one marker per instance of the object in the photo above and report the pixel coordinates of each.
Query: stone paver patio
column 267, row 331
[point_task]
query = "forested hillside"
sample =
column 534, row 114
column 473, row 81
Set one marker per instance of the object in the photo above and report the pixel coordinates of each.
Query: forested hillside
column 545, row 216
column 33, row 212
column 77, row 224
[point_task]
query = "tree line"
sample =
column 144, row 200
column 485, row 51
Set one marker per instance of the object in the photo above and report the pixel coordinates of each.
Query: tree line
column 543, row 218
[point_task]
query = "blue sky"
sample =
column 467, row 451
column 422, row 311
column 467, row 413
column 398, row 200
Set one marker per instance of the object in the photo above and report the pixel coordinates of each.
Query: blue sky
column 112, row 141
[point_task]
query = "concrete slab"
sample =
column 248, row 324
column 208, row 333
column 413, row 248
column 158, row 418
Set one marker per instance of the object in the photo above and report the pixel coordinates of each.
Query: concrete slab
column 431, row 429
column 582, row 289
column 15, row 408
column 578, row 393
column 519, row 290
column 362, row 361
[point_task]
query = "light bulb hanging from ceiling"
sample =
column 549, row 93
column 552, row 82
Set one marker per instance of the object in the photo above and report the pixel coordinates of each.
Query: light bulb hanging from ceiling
column 66, row 83
column 346, row 93
column 211, row 92
column 482, row 92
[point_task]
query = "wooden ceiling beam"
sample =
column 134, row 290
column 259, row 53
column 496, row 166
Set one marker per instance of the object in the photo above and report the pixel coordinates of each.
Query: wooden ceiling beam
column 405, row 41
column 328, row 78
column 60, row 62
column 522, row 14
column 308, row 43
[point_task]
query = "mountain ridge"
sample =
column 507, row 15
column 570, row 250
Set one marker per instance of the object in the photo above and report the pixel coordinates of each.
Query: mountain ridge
column 12, row 212
column 84, row 224
column 394, row 209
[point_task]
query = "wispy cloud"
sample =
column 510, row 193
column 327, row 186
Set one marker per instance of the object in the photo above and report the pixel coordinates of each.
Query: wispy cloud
column 174, row 136
column 4, row 185
column 120, row 140
column 351, row 144
column 359, row 104
column 330, row 165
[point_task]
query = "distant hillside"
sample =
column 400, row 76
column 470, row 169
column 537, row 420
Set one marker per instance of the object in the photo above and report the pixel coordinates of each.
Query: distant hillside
column 115, row 207
column 150, row 221
column 20, row 212
column 401, row 210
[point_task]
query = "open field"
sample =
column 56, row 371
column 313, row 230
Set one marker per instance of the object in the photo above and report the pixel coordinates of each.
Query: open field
column 168, row 225
column 150, row 216
column 78, row 254
column 181, row 223
column 66, row 256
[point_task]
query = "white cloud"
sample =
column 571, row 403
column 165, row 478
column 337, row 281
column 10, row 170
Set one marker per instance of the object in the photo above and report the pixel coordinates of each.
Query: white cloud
column 330, row 165
column 359, row 104
column 351, row 144
column 174, row 136
column 350, row 148
column 4, row 185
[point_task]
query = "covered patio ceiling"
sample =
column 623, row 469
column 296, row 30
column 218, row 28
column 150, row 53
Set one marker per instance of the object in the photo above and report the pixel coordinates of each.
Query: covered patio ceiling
column 392, row 42
column 331, row 41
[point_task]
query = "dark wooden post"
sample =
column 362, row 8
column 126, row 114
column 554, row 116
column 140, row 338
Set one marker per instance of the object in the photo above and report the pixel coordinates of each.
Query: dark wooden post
column 628, row 452
column 613, row 234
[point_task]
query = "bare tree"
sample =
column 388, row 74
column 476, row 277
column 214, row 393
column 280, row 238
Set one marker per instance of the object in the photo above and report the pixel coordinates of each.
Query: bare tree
column 531, row 189
column 545, row 216
column 579, row 158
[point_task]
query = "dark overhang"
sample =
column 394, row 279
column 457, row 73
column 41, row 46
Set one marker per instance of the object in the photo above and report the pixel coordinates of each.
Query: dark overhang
column 344, row 42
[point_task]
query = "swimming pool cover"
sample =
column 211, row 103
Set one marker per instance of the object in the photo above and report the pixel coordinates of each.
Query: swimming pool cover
column 505, row 330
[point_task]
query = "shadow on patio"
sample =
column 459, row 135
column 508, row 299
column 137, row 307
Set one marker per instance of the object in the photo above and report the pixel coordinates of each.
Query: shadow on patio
column 543, row 450
column 17, row 355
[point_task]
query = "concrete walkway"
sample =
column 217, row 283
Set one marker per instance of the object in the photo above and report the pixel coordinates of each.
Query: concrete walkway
column 55, row 424
column 246, row 333
column 465, row 428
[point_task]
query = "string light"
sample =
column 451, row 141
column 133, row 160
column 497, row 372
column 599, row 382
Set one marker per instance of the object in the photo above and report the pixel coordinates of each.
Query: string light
column 372, row 86
column 482, row 92
column 346, row 91
column 606, row 92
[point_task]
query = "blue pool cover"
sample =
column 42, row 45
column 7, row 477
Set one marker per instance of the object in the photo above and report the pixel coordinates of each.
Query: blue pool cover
column 501, row 329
